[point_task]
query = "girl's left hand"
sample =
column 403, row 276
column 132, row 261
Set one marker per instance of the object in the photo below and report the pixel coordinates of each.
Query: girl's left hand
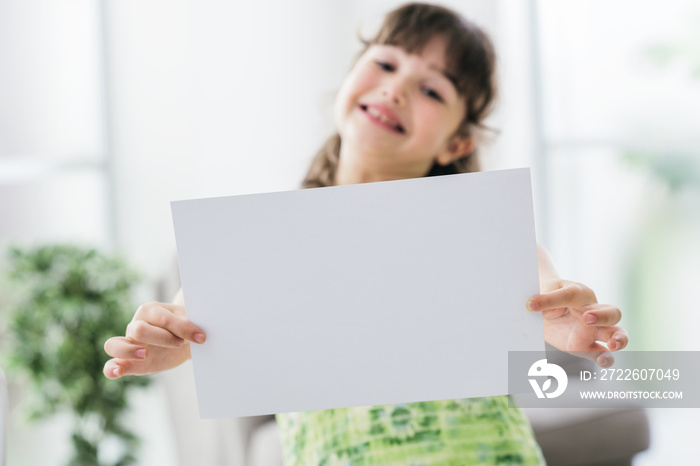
column 574, row 321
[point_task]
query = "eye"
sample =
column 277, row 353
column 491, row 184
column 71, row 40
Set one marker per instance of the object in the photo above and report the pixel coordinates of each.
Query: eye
column 432, row 94
column 385, row 66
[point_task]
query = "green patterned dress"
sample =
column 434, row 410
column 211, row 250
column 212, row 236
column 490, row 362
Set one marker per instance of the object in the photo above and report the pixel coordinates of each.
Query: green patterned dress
column 474, row 431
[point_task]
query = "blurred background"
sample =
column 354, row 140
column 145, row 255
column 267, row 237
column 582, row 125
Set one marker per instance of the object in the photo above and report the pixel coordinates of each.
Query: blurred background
column 110, row 110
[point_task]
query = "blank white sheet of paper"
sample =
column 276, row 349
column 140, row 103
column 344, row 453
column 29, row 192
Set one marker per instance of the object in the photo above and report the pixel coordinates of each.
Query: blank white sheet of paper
column 369, row 294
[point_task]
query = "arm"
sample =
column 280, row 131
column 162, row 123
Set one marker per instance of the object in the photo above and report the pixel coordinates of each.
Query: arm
column 157, row 339
column 573, row 319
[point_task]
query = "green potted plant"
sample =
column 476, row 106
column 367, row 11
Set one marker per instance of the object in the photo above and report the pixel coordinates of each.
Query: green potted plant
column 67, row 300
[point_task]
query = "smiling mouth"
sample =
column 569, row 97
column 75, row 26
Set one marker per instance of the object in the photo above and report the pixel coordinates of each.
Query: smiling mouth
column 375, row 115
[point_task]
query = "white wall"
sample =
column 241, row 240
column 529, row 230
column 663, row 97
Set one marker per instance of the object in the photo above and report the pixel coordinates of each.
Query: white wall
column 50, row 118
column 150, row 136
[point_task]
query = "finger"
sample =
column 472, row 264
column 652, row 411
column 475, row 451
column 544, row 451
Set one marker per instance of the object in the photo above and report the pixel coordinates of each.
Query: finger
column 552, row 314
column 601, row 315
column 615, row 337
column 124, row 348
column 111, row 369
column 176, row 309
column 142, row 332
column 165, row 316
column 571, row 295
column 116, row 368
column 598, row 354
column 605, row 359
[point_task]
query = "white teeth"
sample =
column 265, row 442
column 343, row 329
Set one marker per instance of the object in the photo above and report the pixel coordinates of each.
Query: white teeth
column 381, row 117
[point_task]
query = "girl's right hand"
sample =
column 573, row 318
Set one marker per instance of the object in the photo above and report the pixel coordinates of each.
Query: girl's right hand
column 157, row 339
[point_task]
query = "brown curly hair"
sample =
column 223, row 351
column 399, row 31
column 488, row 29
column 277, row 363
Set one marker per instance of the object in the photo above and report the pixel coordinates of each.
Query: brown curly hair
column 470, row 58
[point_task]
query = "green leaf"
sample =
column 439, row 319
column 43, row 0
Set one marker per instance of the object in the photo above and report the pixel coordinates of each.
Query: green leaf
column 65, row 301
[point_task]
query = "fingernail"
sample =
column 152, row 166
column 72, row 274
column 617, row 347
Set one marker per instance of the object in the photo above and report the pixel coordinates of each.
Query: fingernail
column 590, row 319
column 532, row 305
column 199, row 337
column 115, row 371
column 616, row 345
column 603, row 361
column 179, row 342
column 141, row 353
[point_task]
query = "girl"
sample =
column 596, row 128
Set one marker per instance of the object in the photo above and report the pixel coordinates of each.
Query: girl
column 413, row 105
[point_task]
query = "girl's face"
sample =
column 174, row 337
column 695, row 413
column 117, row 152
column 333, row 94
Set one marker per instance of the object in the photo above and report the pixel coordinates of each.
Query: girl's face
column 396, row 113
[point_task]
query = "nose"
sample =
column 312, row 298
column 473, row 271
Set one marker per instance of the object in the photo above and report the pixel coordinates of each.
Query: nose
column 395, row 90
